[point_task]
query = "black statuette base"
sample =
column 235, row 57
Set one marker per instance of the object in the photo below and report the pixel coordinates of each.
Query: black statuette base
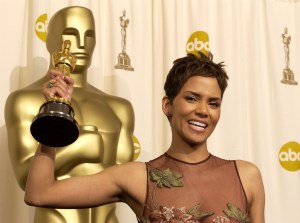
column 54, row 125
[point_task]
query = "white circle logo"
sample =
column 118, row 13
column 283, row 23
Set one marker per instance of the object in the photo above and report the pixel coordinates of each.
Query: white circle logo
column 289, row 156
column 198, row 42
column 41, row 25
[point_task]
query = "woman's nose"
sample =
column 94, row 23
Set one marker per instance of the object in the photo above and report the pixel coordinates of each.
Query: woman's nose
column 202, row 109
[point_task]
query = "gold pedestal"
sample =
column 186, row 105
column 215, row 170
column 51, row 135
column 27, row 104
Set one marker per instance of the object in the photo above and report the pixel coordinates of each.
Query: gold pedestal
column 288, row 77
column 124, row 62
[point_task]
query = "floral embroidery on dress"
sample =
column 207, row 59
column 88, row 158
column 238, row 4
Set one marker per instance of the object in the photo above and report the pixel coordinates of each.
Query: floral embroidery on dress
column 193, row 215
column 166, row 178
column 175, row 215
column 221, row 219
column 161, row 214
column 236, row 213
column 169, row 179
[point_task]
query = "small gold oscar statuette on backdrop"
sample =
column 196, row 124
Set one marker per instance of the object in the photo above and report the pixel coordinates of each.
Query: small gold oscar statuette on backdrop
column 123, row 58
column 288, row 74
column 55, row 125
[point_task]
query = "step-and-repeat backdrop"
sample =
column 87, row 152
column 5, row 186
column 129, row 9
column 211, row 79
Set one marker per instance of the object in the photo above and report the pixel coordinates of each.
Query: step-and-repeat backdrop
column 259, row 41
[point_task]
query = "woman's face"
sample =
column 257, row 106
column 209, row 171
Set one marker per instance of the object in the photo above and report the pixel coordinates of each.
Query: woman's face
column 195, row 111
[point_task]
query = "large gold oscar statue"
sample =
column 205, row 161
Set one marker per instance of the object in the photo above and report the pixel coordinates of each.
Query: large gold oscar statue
column 105, row 122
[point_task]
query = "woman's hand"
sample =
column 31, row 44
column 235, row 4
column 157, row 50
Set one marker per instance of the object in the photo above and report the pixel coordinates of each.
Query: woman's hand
column 59, row 86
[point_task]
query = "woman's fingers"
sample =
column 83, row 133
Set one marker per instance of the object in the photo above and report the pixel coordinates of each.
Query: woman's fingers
column 55, row 73
column 59, row 86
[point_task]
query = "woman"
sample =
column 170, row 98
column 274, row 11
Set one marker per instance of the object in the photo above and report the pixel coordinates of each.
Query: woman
column 186, row 183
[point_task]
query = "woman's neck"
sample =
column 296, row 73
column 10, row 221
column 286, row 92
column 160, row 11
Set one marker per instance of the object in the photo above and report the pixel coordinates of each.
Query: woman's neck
column 188, row 153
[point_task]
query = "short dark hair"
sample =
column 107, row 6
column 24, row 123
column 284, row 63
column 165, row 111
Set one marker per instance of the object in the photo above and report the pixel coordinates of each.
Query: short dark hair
column 192, row 65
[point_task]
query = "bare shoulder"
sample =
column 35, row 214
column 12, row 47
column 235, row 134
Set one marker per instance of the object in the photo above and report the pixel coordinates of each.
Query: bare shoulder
column 249, row 173
column 252, row 181
column 247, row 169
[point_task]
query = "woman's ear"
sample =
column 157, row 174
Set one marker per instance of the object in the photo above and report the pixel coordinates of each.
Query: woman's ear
column 167, row 106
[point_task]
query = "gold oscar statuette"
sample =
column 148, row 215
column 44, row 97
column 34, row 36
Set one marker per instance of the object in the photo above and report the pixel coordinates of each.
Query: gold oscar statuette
column 55, row 125
column 288, row 74
column 123, row 58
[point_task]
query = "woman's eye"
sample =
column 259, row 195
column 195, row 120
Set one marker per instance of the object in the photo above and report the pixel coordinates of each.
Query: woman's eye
column 214, row 104
column 190, row 98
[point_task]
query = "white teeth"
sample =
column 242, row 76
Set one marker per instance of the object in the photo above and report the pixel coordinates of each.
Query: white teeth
column 200, row 124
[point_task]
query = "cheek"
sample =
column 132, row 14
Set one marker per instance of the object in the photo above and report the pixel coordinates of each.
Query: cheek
column 216, row 116
column 182, row 111
column 180, row 116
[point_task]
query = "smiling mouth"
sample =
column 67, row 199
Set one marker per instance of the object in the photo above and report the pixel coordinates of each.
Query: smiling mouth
column 198, row 124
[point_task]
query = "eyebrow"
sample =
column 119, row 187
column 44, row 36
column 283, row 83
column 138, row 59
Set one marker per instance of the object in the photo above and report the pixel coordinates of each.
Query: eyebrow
column 199, row 95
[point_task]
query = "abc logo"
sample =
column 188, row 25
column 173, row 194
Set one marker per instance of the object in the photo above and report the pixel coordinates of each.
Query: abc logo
column 41, row 27
column 289, row 156
column 198, row 42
